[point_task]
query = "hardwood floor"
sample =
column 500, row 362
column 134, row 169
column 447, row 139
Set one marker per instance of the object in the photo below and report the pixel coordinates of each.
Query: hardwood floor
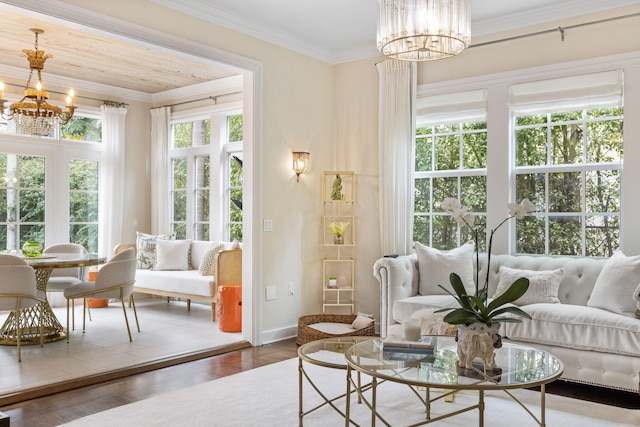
column 67, row 406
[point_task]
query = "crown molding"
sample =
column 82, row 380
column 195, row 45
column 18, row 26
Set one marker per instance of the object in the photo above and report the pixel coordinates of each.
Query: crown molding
column 218, row 87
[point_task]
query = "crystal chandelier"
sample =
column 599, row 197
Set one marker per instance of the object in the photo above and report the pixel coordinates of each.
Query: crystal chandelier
column 423, row 30
column 33, row 114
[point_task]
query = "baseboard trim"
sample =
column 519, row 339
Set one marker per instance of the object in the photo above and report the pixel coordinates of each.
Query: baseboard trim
column 36, row 392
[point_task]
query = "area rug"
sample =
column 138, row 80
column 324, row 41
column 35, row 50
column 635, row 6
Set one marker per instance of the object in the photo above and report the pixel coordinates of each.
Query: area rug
column 268, row 396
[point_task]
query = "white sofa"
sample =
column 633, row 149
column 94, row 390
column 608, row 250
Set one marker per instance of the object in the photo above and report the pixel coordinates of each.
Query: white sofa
column 198, row 283
column 597, row 346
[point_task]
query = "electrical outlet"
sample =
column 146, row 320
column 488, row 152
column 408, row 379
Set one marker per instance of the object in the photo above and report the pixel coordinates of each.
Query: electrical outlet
column 291, row 289
column 268, row 225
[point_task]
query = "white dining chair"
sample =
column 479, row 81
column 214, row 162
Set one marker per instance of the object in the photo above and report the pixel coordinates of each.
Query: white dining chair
column 114, row 280
column 18, row 291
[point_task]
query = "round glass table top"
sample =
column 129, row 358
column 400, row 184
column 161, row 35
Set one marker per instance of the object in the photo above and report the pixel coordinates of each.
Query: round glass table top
column 516, row 366
column 329, row 352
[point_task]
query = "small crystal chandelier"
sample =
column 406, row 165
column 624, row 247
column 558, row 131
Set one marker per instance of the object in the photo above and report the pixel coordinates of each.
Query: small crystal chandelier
column 33, row 114
column 423, row 30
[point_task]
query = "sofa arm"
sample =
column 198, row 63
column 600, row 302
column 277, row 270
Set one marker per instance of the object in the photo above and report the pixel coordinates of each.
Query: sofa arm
column 398, row 279
column 228, row 268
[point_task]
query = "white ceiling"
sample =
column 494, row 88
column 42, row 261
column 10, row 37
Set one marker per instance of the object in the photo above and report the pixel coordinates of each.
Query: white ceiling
column 335, row 31
column 344, row 30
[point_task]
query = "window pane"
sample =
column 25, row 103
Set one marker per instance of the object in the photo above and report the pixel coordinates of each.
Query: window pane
column 447, row 152
column 30, row 232
column 565, row 192
column 421, row 197
column 602, row 235
column 179, row 173
column 83, row 175
column 31, row 206
column 603, row 191
column 201, row 133
column 567, row 144
column 532, row 187
column 421, row 229
column 82, row 129
column 445, row 232
column 179, row 206
column 235, row 178
column 475, row 147
column 424, row 158
column 182, row 134
column 83, row 207
column 234, row 128
column 473, row 193
column 605, row 141
column 85, row 235
column 31, row 170
column 565, row 235
column 236, row 205
column 443, row 188
column 531, row 147
column 180, row 230
column 202, row 232
column 236, row 232
column 530, row 235
column 202, row 206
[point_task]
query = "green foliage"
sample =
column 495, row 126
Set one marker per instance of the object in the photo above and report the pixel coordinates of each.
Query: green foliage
column 472, row 308
column 234, row 128
column 82, row 129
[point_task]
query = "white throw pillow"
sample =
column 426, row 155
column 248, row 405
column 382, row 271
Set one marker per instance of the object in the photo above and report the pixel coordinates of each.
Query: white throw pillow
column 172, row 254
column 543, row 285
column 615, row 286
column 362, row 320
column 435, row 266
column 146, row 249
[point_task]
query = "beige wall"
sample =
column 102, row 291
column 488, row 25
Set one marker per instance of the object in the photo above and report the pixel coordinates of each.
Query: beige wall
column 330, row 111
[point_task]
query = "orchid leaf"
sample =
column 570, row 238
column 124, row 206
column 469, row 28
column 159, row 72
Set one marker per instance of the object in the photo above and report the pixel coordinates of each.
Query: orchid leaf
column 515, row 291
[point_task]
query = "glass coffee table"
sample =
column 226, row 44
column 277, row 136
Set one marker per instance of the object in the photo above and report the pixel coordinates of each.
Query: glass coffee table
column 328, row 353
column 516, row 366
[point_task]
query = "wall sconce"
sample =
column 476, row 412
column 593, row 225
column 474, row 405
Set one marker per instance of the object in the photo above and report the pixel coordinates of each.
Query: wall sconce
column 300, row 163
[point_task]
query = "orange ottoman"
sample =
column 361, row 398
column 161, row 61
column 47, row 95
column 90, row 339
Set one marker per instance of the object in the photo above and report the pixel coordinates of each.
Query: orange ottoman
column 229, row 308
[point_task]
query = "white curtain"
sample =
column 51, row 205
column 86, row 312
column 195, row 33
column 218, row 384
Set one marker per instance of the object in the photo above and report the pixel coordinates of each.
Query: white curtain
column 396, row 127
column 112, row 181
column 159, row 169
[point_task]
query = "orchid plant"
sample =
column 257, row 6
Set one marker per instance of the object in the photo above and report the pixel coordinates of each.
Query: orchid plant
column 474, row 308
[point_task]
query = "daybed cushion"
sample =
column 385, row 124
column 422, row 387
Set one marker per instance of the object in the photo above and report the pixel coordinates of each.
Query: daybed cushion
column 543, row 285
column 577, row 326
column 616, row 285
column 187, row 282
column 435, row 266
column 172, row 254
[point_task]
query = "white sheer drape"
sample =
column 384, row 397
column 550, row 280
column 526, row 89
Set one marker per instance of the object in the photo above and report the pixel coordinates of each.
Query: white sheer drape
column 112, row 170
column 159, row 169
column 397, row 93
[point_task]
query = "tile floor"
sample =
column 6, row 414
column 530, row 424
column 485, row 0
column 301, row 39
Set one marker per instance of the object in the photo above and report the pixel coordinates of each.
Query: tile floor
column 166, row 329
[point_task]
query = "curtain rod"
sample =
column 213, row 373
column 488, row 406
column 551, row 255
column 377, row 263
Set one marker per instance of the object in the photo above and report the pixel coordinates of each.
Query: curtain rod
column 214, row 98
column 104, row 101
column 560, row 29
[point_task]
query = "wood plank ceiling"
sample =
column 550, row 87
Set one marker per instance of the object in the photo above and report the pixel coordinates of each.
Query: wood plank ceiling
column 88, row 57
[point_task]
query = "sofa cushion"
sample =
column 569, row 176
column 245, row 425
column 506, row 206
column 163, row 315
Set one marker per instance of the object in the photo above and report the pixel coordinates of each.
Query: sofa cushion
column 146, row 248
column 543, row 285
column 207, row 265
column 405, row 308
column 616, row 284
column 577, row 326
column 172, row 254
column 435, row 266
column 187, row 282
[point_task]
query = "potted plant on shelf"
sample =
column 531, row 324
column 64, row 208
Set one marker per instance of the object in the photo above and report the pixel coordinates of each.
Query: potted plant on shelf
column 338, row 228
column 475, row 311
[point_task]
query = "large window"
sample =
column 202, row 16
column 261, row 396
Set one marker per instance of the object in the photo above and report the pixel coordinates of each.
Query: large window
column 49, row 185
column 450, row 161
column 206, row 177
column 558, row 142
column 568, row 164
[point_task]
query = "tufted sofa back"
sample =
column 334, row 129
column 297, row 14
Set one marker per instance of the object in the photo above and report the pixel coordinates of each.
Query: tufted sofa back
column 580, row 273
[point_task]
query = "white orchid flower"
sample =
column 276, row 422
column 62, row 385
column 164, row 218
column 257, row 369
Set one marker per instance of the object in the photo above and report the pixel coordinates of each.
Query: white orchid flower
column 522, row 209
column 462, row 217
column 450, row 204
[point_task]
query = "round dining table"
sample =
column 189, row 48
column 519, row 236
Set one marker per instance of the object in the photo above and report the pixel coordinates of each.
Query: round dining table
column 31, row 317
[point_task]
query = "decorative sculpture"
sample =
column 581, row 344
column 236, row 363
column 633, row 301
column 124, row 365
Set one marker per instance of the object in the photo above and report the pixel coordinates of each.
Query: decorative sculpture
column 336, row 188
column 472, row 344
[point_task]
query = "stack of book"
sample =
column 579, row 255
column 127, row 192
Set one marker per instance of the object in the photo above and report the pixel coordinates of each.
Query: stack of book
column 396, row 348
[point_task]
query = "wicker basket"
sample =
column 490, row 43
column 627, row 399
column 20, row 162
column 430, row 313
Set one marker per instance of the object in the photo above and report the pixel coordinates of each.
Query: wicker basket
column 306, row 333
